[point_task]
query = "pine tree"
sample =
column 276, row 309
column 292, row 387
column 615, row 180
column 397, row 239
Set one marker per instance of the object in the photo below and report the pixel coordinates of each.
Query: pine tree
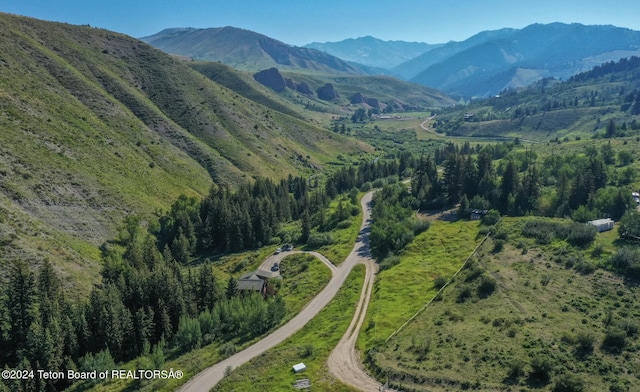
column 509, row 186
column 232, row 288
column 207, row 292
column 22, row 307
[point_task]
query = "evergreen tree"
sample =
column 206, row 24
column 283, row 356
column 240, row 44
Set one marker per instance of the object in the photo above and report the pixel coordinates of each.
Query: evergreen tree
column 21, row 303
column 232, row 288
column 509, row 186
column 207, row 292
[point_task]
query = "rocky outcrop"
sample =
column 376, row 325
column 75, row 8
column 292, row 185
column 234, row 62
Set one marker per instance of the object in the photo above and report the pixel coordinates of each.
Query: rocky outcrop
column 304, row 88
column 290, row 83
column 271, row 78
column 373, row 102
column 358, row 99
column 327, row 92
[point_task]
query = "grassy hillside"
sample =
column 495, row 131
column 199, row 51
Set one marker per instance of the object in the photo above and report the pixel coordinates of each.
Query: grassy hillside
column 402, row 95
column 246, row 50
column 97, row 125
column 523, row 316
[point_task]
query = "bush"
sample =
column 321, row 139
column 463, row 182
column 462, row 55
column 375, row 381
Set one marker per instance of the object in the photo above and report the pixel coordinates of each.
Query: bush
column 614, row 340
column 498, row 245
column 516, row 368
column 389, row 262
column 189, row 335
column 487, row 286
column 584, row 342
column 317, row 240
column 439, row 282
column 627, row 261
column 581, row 234
column 541, row 368
column 568, row 382
column 345, row 224
column 463, row 294
column 491, row 218
column 420, row 226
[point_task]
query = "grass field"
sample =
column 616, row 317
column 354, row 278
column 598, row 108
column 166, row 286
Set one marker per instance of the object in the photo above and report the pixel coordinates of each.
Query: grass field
column 541, row 324
column 403, row 289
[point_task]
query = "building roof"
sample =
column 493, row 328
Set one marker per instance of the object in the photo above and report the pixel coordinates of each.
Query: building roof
column 605, row 221
column 250, row 281
column 299, row 367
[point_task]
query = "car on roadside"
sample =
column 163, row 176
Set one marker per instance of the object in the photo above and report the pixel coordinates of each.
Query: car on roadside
column 277, row 251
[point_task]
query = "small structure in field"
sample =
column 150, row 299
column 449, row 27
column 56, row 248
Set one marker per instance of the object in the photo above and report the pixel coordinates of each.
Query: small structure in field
column 602, row 224
column 299, row 367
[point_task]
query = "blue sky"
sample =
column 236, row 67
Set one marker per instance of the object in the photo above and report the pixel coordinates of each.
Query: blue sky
column 298, row 22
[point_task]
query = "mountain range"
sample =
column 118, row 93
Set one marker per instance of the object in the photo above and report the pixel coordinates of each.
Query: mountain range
column 494, row 61
column 374, row 52
column 480, row 66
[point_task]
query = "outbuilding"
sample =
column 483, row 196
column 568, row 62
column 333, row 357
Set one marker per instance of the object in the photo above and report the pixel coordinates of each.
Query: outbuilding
column 299, row 367
column 602, row 224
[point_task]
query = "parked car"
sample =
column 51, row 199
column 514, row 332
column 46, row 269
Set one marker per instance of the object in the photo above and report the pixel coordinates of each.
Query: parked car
column 275, row 267
column 277, row 251
column 287, row 247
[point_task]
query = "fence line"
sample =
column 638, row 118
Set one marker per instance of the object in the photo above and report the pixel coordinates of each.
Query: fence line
column 439, row 291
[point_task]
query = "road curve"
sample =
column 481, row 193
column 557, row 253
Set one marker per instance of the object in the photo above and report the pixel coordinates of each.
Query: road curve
column 360, row 254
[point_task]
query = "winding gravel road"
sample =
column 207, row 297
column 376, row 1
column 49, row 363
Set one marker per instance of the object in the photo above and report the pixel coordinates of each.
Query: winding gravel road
column 344, row 362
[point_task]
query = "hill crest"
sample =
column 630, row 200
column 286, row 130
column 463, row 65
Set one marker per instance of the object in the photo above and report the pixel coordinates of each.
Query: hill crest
column 246, row 50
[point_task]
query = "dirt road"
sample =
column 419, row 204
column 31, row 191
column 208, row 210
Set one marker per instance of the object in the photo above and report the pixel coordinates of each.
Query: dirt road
column 345, row 354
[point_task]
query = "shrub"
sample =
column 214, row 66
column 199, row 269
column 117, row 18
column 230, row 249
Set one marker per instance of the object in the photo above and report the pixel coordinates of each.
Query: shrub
column 317, row 240
column 343, row 224
column 516, row 368
column 189, row 335
column 420, row 226
column 627, row 262
column 614, row 340
column 584, row 342
column 439, row 282
column 307, row 351
column 568, row 382
column 498, row 246
column 227, row 350
column 581, row 234
column 491, row 218
column 487, row 286
column 584, row 267
column 463, row 294
column 541, row 368
column 389, row 262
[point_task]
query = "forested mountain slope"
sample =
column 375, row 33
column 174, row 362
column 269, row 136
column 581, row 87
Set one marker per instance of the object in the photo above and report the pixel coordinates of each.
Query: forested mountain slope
column 96, row 125
column 491, row 62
